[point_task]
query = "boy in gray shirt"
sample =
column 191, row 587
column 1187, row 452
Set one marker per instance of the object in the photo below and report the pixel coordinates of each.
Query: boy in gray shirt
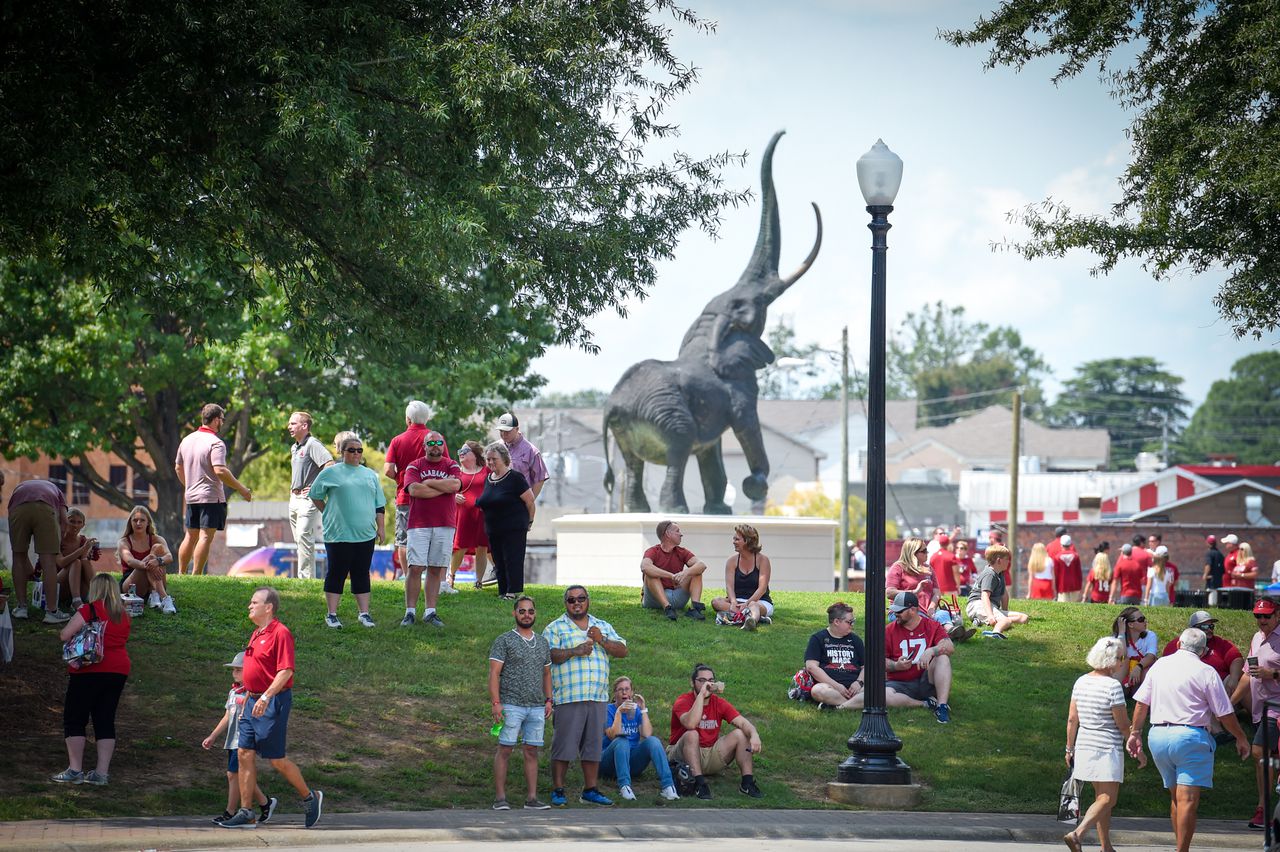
column 986, row 593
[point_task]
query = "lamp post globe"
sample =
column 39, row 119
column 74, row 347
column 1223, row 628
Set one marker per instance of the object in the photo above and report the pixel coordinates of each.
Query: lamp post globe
column 874, row 746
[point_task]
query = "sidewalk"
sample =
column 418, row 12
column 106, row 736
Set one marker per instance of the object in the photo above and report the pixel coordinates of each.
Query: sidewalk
column 581, row 823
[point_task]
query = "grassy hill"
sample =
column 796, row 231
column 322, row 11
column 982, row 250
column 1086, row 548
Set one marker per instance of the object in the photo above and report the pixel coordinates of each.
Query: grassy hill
column 394, row 718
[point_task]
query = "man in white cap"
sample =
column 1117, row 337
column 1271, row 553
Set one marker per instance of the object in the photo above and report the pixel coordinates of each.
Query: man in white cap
column 1220, row 654
column 525, row 457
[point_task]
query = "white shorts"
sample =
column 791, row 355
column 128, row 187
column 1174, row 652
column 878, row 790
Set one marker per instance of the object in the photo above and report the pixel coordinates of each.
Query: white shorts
column 430, row 546
column 766, row 605
column 978, row 615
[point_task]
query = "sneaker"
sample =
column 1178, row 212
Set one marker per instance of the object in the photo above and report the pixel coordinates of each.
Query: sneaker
column 267, row 811
column 446, row 588
column 991, row 634
column 314, row 806
column 535, row 805
column 96, row 778
column 931, row 704
column 76, row 603
column 69, row 776
column 595, row 797
column 242, row 818
column 1258, row 822
column 764, row 619
column 703, row 791
column 750, row 621
column 669, row 793
column 748, row 788
column 490, row 578
column 627, row 793
column 365, row 620
column 795, row 693
column 153, row 601
column 56, row 616
column 824, row 706
column 960, row 634
column 695, row 612
column 20, row 612
column 166, row 605
column 432, row 620
column 670, row 612
column 408, row 620
column 942, row 713
column 558, row 798
column 331, row 620
column 226, row 815
column 501, row 805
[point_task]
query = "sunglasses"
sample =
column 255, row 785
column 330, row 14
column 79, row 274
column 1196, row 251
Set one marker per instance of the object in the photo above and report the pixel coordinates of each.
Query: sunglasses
column 525, row 611
column 845, row 620
column 1138, row 619
column 1261, row 615
column 359, row 450
column 578, row 599
column 435, row 443
column 465, row 451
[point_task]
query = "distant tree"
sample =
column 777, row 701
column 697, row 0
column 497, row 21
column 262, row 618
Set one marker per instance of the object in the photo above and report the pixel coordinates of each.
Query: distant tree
column 779, row 382
column 387, row 163
column 590, row 398
column 955, row 366
column 1240, row 416
column 1134, row 399
column 814, row 503
column 1203, row 188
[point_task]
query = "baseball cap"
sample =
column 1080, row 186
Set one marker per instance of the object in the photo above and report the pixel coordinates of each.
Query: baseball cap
column 903, row 600
column 1200, row 617
column 944, row 539
column 1060, row 531
column 1211, row 539
column 1065, row 540
column 1231, row 539
column 237, row 662
column 1162, row 551
column 1266, row 606
column 507, row 422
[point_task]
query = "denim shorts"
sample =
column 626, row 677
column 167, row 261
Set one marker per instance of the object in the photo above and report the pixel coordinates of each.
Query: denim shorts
column 268, row 733
column 233, row 760
column 524, row 724
column 1183, row 754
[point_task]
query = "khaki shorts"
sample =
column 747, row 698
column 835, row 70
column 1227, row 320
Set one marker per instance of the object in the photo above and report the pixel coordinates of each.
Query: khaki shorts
column 35, row 520
column 712, row 762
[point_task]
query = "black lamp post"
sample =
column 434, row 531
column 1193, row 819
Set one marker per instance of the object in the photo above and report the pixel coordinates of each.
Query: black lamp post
column 875, row 746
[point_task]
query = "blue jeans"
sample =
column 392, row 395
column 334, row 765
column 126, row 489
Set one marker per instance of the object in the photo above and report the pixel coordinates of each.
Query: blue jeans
column 622, row 759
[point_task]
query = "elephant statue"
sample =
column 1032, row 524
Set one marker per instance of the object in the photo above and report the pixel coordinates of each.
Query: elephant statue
column 665, row 411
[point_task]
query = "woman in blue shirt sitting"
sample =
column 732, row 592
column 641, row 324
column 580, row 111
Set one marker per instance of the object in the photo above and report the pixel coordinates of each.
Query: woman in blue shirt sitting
column 629, row 743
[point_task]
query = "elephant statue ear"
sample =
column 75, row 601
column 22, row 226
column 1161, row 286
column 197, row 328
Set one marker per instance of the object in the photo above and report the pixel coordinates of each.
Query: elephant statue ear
column 740, row 355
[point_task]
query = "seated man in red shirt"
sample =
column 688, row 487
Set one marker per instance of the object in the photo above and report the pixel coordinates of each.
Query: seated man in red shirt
column 672, row 575
column 917, row 666
column 695, row 734
column 1221, row 654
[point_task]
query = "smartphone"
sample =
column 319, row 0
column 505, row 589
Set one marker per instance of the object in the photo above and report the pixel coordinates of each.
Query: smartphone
column 1252, row 661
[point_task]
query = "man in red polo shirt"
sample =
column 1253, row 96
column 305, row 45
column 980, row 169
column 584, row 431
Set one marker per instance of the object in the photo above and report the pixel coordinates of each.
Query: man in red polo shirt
column 672, row 575
column 264, row 724
column 1220, row 654
column 946, row 571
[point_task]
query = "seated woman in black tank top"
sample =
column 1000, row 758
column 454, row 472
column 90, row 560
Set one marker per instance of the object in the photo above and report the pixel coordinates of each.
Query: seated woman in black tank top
column 746, row 580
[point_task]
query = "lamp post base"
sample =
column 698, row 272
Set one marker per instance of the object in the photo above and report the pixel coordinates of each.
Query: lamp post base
column 888, row 797
column 875, row 753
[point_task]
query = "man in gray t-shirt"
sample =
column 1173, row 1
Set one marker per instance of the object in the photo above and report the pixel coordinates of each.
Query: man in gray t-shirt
column 309, row 457
column 520, row 698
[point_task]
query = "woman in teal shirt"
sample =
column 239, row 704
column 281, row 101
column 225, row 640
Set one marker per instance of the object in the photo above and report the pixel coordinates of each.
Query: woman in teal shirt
column 353, row 517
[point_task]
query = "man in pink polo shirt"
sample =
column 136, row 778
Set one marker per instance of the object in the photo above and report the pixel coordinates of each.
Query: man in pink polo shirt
column 1182, row 696
column 202, row 469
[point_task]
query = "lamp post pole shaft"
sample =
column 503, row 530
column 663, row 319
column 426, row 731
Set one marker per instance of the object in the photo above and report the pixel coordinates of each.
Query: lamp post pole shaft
column 844, row 460
column 874, row 745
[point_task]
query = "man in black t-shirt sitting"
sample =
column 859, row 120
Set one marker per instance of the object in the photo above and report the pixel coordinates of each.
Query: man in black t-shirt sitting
column 834, row 660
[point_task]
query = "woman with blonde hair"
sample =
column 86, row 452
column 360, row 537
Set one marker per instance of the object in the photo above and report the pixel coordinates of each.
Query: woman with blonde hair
column 75, row 560
column 1245, row 570
column 1040, row 573
column 1097, row 587
column 1097, row 726
column 1159, row 579
column 911, row 573
column 143, row 554
column 93, row 690
column 747, row 585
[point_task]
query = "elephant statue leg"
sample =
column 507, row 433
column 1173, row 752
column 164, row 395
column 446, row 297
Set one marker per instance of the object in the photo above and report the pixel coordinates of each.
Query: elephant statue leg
column 673, row 485
column 636, row 499
column 756, row 486
column 714, row 481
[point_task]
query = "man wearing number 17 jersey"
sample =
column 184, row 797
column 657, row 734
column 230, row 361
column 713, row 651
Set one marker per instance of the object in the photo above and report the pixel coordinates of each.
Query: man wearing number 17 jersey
column 917, row 659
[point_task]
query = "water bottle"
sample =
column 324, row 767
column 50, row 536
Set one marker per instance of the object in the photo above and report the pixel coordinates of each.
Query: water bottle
column 37, row 596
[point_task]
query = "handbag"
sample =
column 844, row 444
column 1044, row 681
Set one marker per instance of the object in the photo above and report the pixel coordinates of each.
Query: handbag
column 1069, row 803
column 87, row 646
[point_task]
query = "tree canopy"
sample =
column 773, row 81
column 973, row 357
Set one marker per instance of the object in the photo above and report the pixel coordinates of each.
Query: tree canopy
column 1202, row 191
column 397, row 169
column 1240, row 416
column 1136, row 400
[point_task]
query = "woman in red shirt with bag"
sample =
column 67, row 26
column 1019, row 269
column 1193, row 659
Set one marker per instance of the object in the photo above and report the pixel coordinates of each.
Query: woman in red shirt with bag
column 93, row 690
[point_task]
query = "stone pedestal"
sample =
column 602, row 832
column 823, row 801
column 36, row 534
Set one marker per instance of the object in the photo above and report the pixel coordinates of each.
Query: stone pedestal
column 887, row 797
column 606, row 549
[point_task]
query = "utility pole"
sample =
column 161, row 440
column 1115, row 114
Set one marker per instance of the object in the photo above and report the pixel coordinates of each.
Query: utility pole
column 844, row 460
column 559, row 461
column 1014, row 466
column 1164, row 440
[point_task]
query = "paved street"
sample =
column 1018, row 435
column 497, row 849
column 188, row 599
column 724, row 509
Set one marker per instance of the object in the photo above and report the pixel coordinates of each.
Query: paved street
column 723, row 845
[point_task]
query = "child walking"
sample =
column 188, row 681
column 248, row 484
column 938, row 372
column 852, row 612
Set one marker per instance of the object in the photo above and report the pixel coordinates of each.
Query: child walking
column 230, row 723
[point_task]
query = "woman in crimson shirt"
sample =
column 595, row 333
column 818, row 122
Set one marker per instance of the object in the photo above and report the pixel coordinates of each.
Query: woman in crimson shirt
column 93, row 691
column 1243, row 570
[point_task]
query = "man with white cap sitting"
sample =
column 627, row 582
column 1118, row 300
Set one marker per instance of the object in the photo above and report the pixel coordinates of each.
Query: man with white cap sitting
column 1220, row 654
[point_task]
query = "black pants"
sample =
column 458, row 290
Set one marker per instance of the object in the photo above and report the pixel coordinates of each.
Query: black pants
column 507, row 549
column 96, row 695
column 348, row 557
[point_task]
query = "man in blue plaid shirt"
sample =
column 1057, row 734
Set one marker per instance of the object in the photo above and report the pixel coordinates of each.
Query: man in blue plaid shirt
column 581, row 646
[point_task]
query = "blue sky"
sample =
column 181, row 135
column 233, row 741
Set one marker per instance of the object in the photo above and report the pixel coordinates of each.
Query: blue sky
column 976, row 144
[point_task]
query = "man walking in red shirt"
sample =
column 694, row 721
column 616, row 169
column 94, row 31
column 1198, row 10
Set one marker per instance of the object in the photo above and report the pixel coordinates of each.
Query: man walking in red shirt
column 268, row 679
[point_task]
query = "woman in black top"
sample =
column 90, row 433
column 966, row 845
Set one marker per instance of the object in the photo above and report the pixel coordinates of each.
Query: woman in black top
column 507, row 504
column 746, row 580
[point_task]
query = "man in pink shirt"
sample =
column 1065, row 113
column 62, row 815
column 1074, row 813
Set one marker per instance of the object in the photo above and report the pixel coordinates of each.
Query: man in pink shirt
column 202, row 469
column 1264, row 674
column 37, row 512
column 1182, row 696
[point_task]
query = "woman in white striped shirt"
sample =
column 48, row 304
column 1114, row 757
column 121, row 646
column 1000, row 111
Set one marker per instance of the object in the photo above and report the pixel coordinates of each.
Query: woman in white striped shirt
column 1097, row 725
